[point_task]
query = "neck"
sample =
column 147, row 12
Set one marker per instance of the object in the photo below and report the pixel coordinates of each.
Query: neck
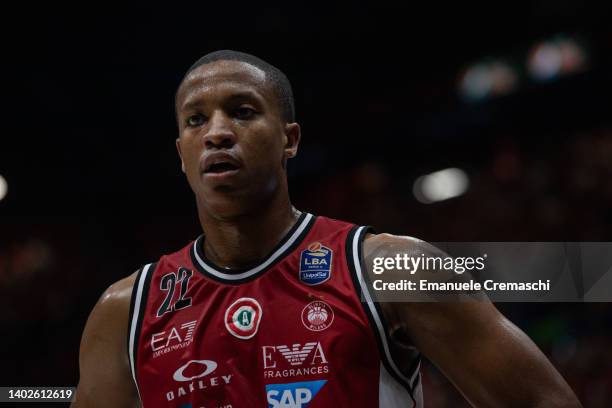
column 241, row 241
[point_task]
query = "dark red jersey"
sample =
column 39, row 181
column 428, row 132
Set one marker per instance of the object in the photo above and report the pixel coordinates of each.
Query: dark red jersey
column 291, row 331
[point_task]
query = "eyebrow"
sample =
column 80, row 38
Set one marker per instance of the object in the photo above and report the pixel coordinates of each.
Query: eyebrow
column 199, row 102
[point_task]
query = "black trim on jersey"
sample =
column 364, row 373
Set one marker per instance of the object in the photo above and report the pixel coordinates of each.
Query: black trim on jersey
column 199, row 248
column 131, row 313
column 383, row 319
column 141, row 311
column 373, row 326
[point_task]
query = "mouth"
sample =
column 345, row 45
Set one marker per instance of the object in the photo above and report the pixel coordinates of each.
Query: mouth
column 220, row 167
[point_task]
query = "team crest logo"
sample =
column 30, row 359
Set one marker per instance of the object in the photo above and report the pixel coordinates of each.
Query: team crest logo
column 242, row 318
column 317, row 316
column 315, row 264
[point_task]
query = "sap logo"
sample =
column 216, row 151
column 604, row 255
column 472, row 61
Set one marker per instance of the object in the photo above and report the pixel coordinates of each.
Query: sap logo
column 292, row 395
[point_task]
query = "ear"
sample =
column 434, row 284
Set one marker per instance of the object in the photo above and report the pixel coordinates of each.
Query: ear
column 178, row 148
column 293, row 135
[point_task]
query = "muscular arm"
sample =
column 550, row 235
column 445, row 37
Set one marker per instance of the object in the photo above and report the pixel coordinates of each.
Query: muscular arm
column 105, row 378
column 490, row 360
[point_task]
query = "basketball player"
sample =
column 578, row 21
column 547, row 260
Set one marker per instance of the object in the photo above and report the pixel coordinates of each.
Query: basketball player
column 264, row 308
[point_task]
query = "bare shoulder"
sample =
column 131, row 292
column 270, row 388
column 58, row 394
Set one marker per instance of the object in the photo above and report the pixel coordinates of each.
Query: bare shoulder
column 388, row 247
column 112, row 306
column 388, row 244
column 105, row 377
column 119, row 293
column 111, row 311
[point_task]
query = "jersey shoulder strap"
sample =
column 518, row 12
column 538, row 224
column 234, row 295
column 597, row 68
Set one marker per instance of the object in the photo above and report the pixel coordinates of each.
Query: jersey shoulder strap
column 410, row 381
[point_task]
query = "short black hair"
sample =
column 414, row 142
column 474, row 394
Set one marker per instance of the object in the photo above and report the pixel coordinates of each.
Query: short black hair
column 279, row 81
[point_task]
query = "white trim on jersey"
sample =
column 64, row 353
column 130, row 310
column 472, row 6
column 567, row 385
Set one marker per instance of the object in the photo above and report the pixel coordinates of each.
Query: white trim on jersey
column 392, row 394
column 272, row 258
column 374, row 312
column 134, row 324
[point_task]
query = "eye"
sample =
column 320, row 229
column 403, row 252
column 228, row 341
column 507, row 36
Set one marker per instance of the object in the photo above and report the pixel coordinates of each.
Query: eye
column 195, row 120
column 244, row 112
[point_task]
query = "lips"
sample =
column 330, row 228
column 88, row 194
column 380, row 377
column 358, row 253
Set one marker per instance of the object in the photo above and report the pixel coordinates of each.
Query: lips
column 220, row 163
column 220, row 167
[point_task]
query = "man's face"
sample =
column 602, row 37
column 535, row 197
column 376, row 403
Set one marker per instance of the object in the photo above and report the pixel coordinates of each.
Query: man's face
column 232, row 141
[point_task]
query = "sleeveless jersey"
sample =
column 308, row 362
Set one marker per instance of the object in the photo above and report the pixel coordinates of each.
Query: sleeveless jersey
column 299, row 329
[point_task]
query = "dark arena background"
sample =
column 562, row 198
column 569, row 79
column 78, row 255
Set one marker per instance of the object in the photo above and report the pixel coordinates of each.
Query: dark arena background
column 513, row 98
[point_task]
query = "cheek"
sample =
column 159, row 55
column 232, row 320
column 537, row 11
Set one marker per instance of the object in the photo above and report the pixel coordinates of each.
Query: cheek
column 271, row 141
column 190, row 155
column 268, row 153
column 190, row 150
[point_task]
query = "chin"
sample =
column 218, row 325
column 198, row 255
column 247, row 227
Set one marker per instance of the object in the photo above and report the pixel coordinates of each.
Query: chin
column 223, row 204
column 227, row 202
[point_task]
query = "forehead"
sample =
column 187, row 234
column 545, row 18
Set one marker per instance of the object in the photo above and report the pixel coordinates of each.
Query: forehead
column 222, row 76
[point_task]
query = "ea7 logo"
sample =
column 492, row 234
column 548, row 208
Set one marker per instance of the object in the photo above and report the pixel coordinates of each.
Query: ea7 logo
column 295, row 355
column 292, row 395
column 173, row 339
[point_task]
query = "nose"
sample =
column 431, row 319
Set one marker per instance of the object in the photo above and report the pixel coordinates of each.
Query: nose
column 220, row 134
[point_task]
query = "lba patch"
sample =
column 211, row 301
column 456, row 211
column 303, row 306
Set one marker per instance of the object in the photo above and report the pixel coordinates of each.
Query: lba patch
column 317, row 316
column 242, row 318
column 315, row 264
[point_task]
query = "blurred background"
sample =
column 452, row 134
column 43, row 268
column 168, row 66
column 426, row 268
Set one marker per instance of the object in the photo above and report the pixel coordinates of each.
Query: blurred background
column 460, row 123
